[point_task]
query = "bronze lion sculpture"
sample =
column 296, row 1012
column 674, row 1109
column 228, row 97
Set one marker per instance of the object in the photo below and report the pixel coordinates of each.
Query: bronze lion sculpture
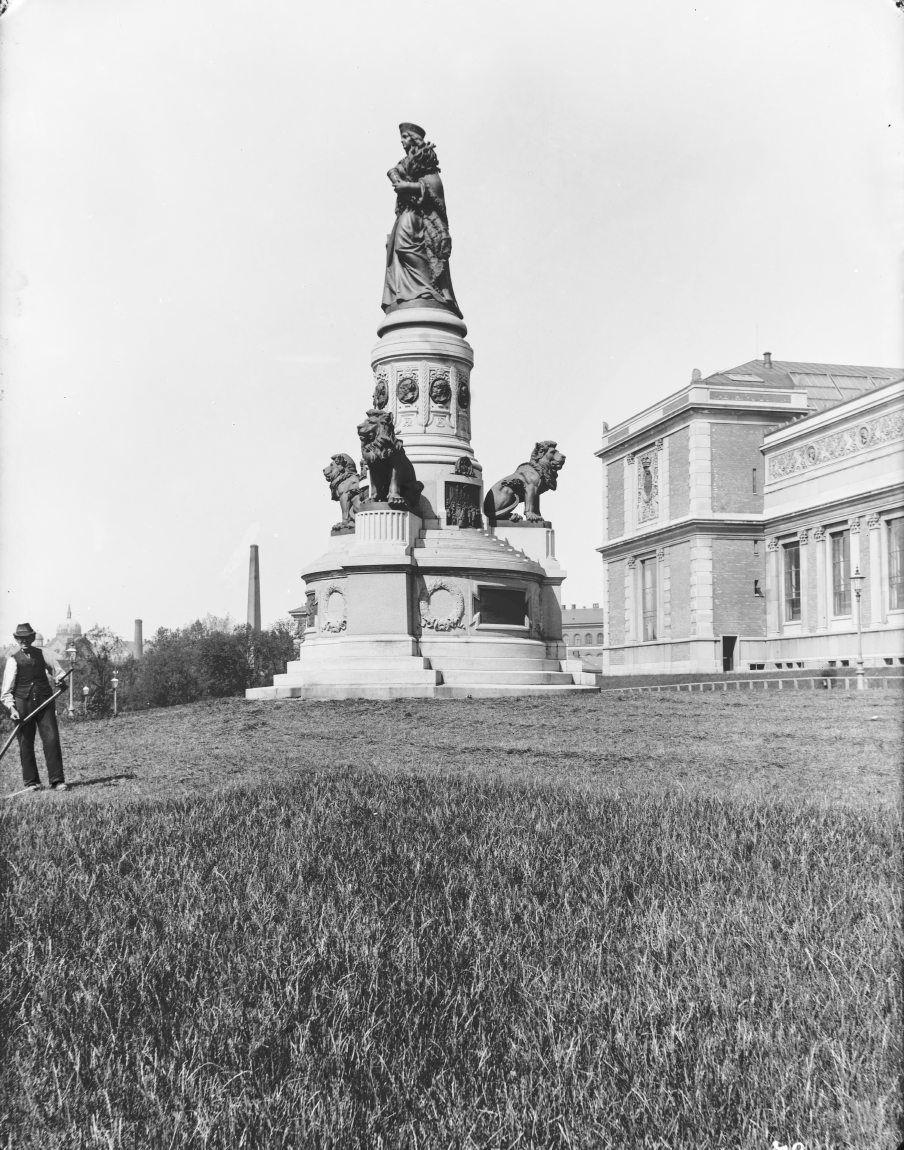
column 526, row 484
column 345, row 487
column 392, row 478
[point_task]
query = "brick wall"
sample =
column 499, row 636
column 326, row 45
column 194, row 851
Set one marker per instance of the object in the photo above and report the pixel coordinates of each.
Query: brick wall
column 736, row 610
column 616, row 499
column 735, row 453
column 616, row 633
column 679, row 555
column 679, row 486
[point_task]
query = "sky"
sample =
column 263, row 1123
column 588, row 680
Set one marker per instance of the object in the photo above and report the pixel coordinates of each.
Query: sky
column 193, row 213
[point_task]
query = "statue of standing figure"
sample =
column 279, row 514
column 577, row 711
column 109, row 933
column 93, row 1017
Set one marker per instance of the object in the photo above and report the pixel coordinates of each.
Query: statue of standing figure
column 418, row 248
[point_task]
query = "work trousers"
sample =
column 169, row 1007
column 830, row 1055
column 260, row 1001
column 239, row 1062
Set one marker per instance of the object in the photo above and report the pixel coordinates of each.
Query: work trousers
column 46, row 723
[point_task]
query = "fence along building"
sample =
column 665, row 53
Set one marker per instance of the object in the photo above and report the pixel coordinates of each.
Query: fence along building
column 685, row 517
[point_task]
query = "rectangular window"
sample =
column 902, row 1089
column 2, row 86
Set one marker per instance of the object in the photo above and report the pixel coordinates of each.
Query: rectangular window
column 754, row 481
column 895, row 564
column 792, row 581
column 841, row 572
column 648, row 597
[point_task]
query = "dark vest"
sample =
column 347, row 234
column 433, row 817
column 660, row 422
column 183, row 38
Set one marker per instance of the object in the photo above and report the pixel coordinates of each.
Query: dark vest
column 31, row 674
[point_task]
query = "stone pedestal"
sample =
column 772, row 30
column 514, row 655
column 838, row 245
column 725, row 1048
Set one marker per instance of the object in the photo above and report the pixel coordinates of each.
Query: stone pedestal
column 422, row 375
column 430, row 605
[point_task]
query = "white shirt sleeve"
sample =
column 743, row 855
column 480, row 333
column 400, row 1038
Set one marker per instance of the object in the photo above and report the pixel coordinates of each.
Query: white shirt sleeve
column 9, row 680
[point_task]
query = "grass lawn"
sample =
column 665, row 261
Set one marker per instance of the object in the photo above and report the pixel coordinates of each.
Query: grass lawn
column 664, row 921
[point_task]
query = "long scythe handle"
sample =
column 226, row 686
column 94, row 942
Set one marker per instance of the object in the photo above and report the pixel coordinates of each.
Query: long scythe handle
column 18, row 727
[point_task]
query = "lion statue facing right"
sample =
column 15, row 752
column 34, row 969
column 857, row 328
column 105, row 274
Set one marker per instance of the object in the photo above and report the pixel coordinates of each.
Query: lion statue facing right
column 392, row 478
column 345, row 486
column 526, row 484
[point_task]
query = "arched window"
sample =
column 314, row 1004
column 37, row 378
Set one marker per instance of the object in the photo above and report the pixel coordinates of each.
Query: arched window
column 588, row 639
column 576, row 641
column 599, row 638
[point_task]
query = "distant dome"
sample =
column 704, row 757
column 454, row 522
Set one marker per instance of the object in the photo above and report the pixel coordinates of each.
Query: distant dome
column 69, row 629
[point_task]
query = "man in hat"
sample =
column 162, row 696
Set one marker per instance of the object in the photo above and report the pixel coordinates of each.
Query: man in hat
column 28, row 680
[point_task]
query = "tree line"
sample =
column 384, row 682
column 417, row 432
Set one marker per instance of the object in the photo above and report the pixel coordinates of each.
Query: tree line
column 209, row 659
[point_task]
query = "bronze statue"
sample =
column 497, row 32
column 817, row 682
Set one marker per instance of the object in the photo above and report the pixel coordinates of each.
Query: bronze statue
column 392, row 478
column 345, row 487
column 527, row 483
column 418, row 248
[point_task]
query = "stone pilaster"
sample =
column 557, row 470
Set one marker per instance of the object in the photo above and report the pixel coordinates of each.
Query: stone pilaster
column 877, row 599
column 803, row 538
column 605, row 502
column 819, row 547
column 632, row 632
column 665, row 585
column 701, row 584
column 773, row 587
column 628, row 489
column 700, row 461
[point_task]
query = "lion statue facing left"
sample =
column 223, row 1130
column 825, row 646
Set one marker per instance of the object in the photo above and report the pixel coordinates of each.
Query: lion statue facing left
column 526, row 484
column 392, row 478
column 345, row 486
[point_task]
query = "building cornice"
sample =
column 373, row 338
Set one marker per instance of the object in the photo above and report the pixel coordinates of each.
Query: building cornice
column 679, row 529
column 697, row 399
column 843, row 508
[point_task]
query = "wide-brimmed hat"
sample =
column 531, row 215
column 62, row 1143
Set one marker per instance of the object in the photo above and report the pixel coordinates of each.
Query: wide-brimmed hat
column 414, row 129
column 24, row 631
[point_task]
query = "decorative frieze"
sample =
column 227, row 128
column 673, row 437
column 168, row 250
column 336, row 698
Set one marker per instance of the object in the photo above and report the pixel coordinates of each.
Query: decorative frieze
column 828, row 448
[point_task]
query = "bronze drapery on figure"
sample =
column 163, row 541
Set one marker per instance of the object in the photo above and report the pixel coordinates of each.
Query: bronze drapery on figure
column 419, row 245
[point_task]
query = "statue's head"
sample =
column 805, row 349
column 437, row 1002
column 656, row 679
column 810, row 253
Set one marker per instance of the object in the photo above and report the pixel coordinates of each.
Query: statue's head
column 413, row 136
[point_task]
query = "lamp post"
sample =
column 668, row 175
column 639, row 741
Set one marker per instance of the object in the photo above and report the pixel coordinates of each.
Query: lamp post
column 71, row 652
column 85, row 693
column 857, row 586
column 115, row 684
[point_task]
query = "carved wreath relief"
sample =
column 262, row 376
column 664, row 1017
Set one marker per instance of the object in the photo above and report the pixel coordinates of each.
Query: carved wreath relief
column 442, row 605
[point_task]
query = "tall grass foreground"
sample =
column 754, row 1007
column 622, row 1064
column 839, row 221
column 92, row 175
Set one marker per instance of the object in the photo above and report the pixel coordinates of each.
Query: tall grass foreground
column 371, row 961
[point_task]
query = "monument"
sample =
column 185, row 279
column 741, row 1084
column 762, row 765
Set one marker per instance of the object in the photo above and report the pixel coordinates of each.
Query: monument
column 417, row 595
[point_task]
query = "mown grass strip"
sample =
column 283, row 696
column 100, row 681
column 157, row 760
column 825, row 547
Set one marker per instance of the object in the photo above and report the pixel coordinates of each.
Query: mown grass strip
column 387, row 961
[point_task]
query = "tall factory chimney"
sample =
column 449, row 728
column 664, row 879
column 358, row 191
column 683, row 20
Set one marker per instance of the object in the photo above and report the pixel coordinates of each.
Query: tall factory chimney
column 254, row 591
column 139, row 639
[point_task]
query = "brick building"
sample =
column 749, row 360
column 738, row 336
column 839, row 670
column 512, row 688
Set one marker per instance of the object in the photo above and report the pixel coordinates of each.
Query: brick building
column 684, row 520
column 583, row 632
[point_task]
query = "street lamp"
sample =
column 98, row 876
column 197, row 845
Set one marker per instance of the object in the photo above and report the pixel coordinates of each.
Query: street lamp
column 71, row 652
column 857, row 587
column 115, row 683
column 86, row 691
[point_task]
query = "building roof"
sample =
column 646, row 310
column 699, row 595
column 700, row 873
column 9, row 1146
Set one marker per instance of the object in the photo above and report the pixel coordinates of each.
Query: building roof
column 825, row 383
